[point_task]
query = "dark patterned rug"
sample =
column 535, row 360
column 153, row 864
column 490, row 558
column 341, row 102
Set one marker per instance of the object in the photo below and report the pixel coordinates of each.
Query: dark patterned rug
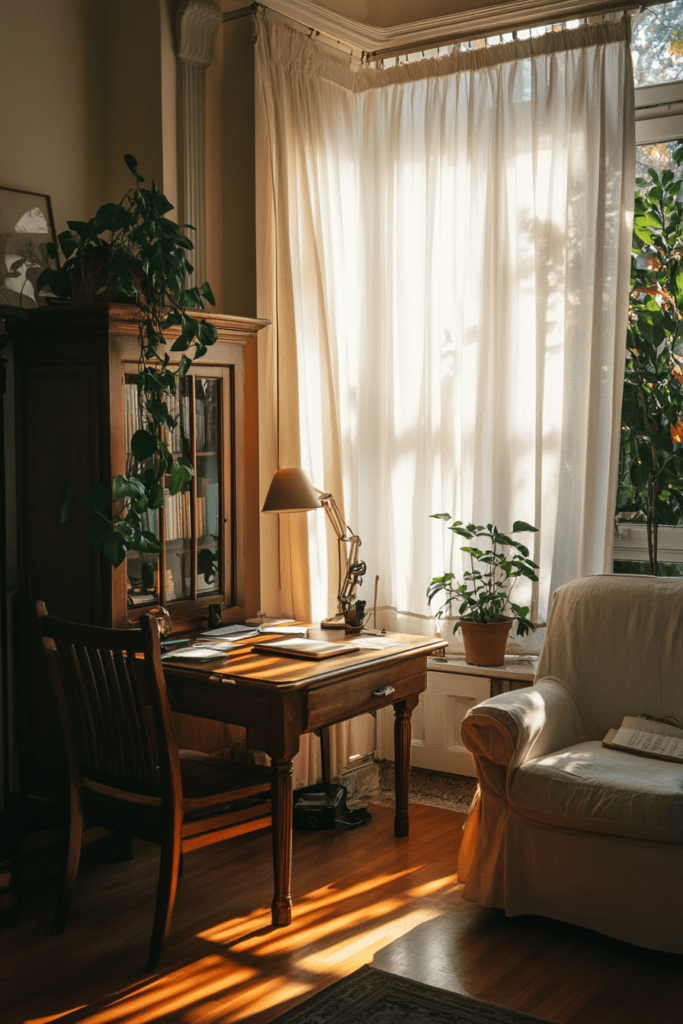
column 370, row 996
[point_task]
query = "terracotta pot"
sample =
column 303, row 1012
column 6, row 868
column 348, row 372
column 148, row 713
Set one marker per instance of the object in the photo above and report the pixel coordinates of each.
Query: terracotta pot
column 485, row 641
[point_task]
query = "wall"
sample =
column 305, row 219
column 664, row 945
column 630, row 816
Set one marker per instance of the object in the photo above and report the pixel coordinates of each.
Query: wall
column 81, row 89
column 83, row 82
column 238, row 168
column 52, row 90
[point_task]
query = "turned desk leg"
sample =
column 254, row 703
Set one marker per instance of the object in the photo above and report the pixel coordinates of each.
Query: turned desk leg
column 282, row 808
column 403, row 710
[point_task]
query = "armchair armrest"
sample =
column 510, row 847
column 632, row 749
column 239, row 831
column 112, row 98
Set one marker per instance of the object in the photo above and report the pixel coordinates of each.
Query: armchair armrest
column 517, row 726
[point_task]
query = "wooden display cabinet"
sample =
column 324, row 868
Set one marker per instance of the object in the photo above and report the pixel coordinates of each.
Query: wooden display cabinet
column 76, row 402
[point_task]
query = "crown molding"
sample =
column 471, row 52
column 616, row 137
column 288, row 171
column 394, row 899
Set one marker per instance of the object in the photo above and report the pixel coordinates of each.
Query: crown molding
column 196, row 27
column 472, row 24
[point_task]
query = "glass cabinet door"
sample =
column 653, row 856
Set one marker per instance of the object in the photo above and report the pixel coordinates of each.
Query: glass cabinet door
column 194, row 525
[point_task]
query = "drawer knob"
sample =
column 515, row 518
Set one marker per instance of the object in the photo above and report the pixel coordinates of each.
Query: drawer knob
column 384, row 691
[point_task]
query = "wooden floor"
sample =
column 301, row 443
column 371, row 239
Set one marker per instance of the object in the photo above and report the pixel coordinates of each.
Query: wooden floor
column 360, row 896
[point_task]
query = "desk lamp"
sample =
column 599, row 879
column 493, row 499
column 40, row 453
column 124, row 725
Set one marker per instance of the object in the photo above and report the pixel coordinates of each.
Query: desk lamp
column 291, row 491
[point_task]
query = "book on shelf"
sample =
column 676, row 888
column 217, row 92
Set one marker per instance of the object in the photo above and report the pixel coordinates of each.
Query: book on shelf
column 647, row 738
column 295, row 648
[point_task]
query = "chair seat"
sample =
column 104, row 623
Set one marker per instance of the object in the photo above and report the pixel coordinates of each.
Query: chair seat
column 590, row 787
column 210, row 782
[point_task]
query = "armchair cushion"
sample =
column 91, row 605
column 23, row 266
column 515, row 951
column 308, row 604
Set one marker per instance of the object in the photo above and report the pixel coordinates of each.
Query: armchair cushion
column 590, row 787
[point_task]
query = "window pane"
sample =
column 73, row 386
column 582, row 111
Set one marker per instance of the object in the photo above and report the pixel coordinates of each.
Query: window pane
column 177, row 507
column 207, row 405
column 142, row 570
column 657, row 47
column 660, row 157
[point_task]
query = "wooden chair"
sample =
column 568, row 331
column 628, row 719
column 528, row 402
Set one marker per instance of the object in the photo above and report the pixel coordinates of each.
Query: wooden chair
column 125, row 771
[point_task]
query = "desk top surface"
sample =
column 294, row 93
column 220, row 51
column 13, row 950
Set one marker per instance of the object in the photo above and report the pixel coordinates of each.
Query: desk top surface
column 286, row 672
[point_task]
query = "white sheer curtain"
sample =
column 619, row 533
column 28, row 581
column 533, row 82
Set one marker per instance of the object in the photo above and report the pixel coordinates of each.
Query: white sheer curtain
column 452, row 243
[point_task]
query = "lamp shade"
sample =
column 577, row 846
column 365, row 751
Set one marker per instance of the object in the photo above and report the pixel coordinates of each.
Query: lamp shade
column 291, row 491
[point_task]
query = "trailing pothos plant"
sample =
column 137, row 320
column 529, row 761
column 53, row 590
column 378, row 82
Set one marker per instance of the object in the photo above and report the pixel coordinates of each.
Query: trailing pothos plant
column 651, row 457
column 132, row 251
column 484, row 594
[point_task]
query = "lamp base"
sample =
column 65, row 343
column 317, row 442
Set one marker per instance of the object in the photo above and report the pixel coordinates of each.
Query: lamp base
column 336, row 622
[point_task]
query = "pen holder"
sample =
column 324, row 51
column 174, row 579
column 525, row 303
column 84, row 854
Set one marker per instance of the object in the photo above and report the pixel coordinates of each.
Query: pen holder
column 354, row 615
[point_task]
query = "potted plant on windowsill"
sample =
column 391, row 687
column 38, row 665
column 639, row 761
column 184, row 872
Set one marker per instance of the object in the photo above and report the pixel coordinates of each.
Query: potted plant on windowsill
column 485, row 609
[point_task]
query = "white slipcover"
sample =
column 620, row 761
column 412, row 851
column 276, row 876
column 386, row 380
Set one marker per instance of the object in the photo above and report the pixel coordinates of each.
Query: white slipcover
column 564, row 827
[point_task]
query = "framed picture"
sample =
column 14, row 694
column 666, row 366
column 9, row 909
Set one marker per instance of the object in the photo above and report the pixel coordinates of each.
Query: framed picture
column 26, row 226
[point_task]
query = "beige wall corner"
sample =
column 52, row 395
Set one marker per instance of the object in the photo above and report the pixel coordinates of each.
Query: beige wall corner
column 51, row 89
column 215, row 89
column 132, row 107
column 238, row 228
column 169, row 104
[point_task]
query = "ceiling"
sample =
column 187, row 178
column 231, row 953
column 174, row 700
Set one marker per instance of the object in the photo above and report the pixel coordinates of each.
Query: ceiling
column 386, row 13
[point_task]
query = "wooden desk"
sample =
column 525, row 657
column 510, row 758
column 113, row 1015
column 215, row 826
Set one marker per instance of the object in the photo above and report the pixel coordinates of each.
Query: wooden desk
column 279, row 699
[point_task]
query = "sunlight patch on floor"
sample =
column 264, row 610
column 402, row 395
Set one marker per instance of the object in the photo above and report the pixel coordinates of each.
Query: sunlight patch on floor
column 448, row 883
column 175, row 991
column 369, row 941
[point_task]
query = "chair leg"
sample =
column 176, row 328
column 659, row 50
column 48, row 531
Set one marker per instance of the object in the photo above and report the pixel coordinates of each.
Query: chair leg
column 70, row 861
column 166, row 893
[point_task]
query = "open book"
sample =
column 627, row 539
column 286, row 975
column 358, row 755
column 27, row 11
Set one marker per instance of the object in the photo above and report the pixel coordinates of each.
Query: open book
column 648, row 738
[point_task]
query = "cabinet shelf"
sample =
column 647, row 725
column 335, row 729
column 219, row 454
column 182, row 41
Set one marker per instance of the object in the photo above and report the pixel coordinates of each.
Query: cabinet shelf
column 71, row 427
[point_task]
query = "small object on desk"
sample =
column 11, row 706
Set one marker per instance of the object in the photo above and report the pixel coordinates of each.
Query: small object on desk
column 353, row 617
column 237, row 631
column 215, row 615
column 315, row 649
column 222, row 645
column 284, row 630
column 169, row 645
column 197, row 653
column 163, row 618
column 268, row 620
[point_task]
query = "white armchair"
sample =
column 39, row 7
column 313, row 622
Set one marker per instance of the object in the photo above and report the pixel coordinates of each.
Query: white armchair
column 564, row 827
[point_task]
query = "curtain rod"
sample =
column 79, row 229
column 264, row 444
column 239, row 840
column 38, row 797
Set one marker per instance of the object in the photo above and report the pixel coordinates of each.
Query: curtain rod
column 241, row 12
column 489, row 28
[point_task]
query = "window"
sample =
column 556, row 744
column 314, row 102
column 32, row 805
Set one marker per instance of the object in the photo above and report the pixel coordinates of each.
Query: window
column 657, row 52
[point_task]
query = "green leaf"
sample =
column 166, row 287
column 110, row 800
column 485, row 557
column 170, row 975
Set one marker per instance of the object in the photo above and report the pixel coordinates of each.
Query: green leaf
column 132, row 165
column 66, row 505
column 149, row 542
column 98, row 529
column 207, row 334
column 115, row 549
column 155, row 496
column 143, row 445
column 181, row 476
column 128, row 487
column 207, row 293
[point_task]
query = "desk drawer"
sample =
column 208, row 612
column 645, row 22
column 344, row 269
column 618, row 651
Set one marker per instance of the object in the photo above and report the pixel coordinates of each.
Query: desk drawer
column 350, row 697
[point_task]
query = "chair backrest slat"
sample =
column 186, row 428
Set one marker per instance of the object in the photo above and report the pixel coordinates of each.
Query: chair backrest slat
column 113, row 695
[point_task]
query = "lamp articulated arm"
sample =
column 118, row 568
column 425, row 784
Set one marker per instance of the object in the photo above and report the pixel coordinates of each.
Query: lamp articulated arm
column 355, row 567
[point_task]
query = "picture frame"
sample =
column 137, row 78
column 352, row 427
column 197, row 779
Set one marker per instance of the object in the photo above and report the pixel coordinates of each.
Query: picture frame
column 26, row 226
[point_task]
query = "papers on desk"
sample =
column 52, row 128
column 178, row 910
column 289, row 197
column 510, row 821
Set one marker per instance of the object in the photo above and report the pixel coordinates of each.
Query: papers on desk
column 375, row 643
column 234, row 632
column 197, row 653
column 315, row 649
column 284, row 630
